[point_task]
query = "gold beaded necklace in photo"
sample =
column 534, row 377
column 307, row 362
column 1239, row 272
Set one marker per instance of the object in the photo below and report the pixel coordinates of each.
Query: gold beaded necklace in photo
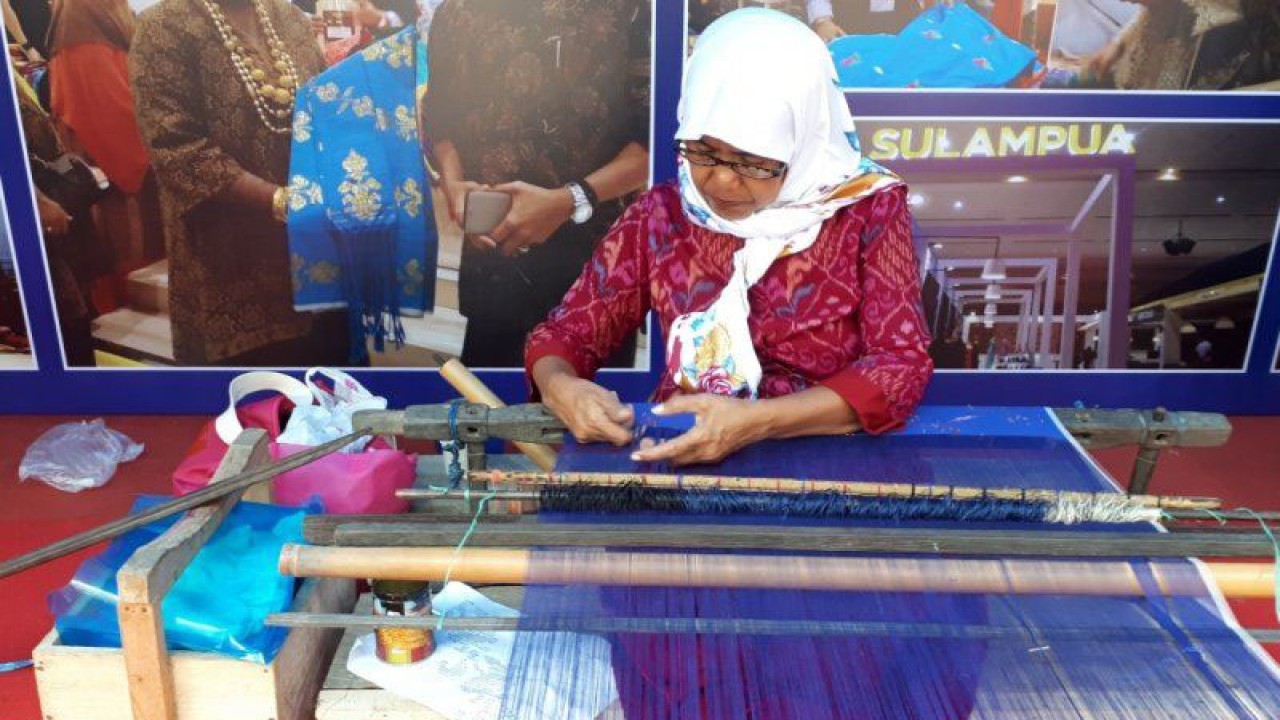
column 271, row 89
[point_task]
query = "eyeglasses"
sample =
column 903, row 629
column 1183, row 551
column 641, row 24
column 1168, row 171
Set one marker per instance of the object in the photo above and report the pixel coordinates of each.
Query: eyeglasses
column 706, row 159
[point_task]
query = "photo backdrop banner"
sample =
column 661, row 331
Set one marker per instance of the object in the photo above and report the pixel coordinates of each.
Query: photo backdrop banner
column 1094, row 185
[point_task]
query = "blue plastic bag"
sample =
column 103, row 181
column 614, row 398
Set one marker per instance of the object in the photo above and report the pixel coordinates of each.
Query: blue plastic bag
column 219, row 603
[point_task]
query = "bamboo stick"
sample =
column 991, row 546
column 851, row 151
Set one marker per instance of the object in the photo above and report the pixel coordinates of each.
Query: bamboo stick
column 793, row 485
column 862, row 574
column 465, row 382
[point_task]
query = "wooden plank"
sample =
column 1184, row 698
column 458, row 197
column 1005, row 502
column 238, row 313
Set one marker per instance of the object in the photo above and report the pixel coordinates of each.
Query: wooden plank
column 928, row 541
column 319, row 529
column 146, row 660
column 302, row 663
column 1097, row 428
column 78, row 683
column 152, row 570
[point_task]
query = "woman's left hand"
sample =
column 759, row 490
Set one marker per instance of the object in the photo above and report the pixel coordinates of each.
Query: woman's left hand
column 722, row 426
column 535, row 213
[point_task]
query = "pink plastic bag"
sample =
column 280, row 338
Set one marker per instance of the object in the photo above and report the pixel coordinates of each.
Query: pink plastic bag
column 345, row 483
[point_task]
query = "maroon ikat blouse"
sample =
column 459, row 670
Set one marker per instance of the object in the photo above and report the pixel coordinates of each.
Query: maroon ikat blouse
column 844, row 314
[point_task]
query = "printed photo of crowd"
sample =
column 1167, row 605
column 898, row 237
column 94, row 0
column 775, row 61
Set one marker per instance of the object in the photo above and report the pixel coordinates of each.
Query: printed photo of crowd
column 15, row 343
column 260, row 183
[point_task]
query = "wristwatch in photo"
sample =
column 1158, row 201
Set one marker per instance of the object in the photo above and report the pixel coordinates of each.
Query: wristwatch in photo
column 584, row 200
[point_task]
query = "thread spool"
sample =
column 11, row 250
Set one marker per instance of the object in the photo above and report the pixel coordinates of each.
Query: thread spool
column 402, row 598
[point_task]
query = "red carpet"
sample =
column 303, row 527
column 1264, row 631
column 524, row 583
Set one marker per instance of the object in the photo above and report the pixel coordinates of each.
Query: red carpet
column 1244, row 472
column 33, row 514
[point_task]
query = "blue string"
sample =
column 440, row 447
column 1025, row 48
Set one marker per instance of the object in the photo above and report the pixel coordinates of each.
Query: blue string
column 455, row 461
column 452, row 447
column 475, row 520
column 1275, row 543
column 15, row 665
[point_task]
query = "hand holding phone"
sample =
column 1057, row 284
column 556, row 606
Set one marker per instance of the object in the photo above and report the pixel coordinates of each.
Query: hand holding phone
column 483, row 211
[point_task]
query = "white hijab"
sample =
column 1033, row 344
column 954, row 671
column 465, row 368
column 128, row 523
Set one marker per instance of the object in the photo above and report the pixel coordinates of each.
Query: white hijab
column 765, row 83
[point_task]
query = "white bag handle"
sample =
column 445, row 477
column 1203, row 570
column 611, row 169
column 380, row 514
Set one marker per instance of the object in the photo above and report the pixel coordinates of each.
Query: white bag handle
column 228, row 426
column 349, row 394
column 346, row 390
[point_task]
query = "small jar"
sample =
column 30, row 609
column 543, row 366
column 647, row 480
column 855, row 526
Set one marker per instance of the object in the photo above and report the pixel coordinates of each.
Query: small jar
column 403, row 598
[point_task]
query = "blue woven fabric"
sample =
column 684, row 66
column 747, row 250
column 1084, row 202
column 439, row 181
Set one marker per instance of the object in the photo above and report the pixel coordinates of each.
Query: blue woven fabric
column 1034, row 657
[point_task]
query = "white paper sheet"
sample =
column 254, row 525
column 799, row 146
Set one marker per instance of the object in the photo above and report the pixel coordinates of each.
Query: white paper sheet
column 465, row 678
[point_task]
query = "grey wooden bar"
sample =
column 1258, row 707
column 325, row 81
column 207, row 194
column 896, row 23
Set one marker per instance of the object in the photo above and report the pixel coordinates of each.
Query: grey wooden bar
column 729, row 626
column 359, row 532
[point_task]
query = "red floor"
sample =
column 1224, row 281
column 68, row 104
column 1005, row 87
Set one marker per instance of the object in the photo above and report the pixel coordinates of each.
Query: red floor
column 1245, row 472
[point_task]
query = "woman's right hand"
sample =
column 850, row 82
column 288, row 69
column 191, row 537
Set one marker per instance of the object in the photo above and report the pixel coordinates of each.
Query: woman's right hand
column 55, row 221
column 455, row 194
column 591, row 413
column 828, row 30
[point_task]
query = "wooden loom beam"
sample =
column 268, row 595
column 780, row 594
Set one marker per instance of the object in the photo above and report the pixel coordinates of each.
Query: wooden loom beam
column 863, row 574
column 356, row 531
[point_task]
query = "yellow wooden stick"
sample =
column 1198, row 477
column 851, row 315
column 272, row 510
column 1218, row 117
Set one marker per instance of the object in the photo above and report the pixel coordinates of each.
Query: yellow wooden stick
column 801, row 572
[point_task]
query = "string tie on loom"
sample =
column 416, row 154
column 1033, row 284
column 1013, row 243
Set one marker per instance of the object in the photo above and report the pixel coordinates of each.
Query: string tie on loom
column 457, row 550
column 1275, row 549
column 1266, row 530
column 454, row 448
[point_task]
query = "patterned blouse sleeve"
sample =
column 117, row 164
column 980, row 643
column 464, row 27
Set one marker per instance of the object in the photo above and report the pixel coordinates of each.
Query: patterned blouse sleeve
column 609, row 300
column 886, row 383
column 191, row 168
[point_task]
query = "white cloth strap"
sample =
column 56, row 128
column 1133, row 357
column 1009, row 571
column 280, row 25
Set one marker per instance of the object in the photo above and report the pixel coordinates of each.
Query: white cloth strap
column 228, row 426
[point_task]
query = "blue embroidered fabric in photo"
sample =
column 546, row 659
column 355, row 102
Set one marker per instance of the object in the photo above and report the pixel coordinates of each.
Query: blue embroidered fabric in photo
column 362, row 232
column 944, row 47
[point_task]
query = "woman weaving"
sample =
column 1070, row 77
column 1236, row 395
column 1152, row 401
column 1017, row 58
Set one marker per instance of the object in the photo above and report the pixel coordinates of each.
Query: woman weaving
column 780, row 265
